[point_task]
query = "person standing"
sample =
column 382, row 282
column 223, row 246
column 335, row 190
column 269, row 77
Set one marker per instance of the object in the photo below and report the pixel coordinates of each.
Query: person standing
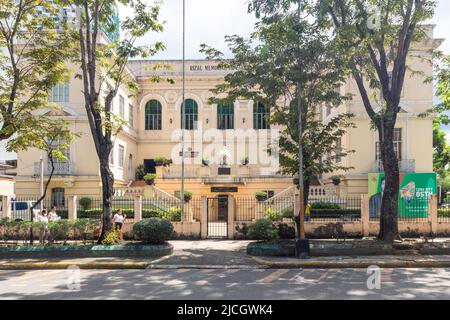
column 53, row 215
column 119, row 219
column 44, row 233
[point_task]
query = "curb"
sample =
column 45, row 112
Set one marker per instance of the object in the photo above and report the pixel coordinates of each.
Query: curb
column 65, row 265
column 220, row 267
column 138, row 265
column 316, row 264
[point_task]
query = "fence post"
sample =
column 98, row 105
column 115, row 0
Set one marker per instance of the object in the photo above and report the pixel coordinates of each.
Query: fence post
column 230, row 224
column 365, row 217
column 6, row 207
column 433, row 213
column 296, row 203
column 72, row 208
column 187, row 217
column 137, row 208
column 204, row 218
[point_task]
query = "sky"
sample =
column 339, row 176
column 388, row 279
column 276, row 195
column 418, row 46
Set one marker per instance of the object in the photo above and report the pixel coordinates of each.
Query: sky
column 208, row 21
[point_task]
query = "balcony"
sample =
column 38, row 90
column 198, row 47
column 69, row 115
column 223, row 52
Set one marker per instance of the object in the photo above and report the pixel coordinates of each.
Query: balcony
column 403, row 165
column 65, row 168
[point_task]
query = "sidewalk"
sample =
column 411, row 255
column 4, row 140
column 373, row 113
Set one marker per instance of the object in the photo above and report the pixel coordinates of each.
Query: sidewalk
column 207, row 254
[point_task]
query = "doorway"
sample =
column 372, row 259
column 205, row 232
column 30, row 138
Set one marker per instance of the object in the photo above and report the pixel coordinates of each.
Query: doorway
column 218, row 217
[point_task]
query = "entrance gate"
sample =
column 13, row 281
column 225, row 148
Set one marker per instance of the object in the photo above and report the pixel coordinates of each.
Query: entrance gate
column 218, row 217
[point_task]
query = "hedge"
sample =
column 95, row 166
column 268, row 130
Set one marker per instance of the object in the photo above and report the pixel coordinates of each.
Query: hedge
column 444, row 213
column 334, row 213
column 172, row 214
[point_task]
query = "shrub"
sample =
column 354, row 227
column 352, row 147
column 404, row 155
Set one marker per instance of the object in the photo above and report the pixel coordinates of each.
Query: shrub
column 288, row 213
column 262, row 229
column 150, row 178
column 273, row 214
column 286, row 231
column 60, row 229
column 242, row 231
column 261, row 195
column 172, row 214
column 333, row 213
column 325, row 205
column 140, row 172
column 112, row 238
column 162, row 161
column 85, row 203
column 187, row 195
column 151, row 213
column 86, row 228
column 444, row 213
column 153, row 230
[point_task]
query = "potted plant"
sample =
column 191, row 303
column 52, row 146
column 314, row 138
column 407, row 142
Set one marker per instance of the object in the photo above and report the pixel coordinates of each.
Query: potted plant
column 150, row 178
column 261, row 196
column 162, row 162
column 140, row 172
column 187, row 195
column 245, row 161
column 336, row 180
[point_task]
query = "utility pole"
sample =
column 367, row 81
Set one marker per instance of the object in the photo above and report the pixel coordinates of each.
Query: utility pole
column 183, row 110
column 41, row 164
column 301, row 243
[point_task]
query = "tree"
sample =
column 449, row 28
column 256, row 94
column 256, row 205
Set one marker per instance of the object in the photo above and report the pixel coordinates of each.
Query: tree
column 376, row 36
column 53, row 138
column 441, row 149
column 287, row 57
column 34, row 46
column 103, row 68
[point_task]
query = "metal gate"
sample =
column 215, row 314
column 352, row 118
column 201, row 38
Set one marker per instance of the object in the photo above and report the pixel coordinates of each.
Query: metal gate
column 218, row 217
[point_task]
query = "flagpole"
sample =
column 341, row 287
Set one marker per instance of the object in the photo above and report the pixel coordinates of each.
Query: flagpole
column 183, row 120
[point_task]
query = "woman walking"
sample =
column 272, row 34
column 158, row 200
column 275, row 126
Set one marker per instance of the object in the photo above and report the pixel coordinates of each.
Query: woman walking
column 119, row 219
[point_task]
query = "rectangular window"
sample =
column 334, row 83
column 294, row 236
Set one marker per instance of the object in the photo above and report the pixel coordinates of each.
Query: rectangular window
column 111, row 157
column 60, row 92
column 397, row 145
column 121, row 156
column 328, row 110
column 338, row 150
column 131, row 115
column 225, row 117
column 261, row 115
column 122, row 107
column 61, row 166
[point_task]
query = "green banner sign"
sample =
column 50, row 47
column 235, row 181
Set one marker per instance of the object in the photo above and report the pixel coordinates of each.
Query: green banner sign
column 414, row 194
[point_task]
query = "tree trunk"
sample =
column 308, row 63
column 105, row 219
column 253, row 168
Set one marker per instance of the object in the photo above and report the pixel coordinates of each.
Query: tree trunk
column 306, row 186
column 107, row 194
column 389, row 206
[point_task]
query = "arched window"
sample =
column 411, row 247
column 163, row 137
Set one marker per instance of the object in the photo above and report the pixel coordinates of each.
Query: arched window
column 153, row 115
column 261, row 115
column 225, row 116
column 190, row 114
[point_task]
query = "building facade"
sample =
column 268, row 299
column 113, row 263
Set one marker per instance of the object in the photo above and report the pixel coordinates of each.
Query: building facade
column 225, row 145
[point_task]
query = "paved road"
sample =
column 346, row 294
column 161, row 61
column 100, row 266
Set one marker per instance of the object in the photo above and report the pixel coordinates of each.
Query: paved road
column 223, row 284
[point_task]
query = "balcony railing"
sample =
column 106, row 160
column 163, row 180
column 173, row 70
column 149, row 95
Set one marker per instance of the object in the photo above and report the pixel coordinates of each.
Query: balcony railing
column 65, row 168
column 403, row 165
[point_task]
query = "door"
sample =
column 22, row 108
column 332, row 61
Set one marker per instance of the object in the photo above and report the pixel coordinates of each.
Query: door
column 218, row 217
column 150, row 166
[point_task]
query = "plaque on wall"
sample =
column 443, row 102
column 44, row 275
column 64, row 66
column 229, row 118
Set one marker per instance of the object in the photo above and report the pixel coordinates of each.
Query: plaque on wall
column 224, row 189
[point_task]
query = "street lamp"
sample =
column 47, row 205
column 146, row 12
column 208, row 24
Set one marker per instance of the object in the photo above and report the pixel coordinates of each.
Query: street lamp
column 183, row 120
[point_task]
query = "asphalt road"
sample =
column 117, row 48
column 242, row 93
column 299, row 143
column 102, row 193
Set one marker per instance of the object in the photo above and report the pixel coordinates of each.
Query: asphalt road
column 224, row 284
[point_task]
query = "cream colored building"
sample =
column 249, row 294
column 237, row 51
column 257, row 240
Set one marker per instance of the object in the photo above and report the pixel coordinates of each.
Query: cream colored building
column 154, row 119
